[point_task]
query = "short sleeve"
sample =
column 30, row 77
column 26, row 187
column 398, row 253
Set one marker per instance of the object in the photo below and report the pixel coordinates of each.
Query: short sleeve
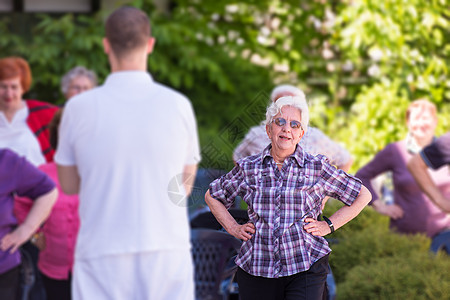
column 228, row 187
column 65, row 152
column 29, row 181
column 438, row 153
column 339, row 184
column 193, row 154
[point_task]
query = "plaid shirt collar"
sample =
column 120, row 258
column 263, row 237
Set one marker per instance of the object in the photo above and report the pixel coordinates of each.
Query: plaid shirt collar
column 298, row 156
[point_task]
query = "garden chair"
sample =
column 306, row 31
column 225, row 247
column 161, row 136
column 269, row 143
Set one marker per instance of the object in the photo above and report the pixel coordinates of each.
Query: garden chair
column 213, row 255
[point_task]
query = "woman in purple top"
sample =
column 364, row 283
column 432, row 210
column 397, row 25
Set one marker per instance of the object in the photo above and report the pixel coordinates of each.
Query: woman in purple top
column 285, row 254
column 412, row 211
column 19, row 177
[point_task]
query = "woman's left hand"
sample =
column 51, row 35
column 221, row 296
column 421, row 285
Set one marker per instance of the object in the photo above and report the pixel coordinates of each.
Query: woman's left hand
column 317, row 228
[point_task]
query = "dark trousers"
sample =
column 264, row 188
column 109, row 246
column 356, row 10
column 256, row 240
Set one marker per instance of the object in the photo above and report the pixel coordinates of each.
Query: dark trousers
column 9, row 284
column 310, row 285
column 37, row 292
column 57, row 289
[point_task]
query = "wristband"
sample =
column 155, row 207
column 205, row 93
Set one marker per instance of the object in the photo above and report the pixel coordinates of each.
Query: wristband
column 330, row 224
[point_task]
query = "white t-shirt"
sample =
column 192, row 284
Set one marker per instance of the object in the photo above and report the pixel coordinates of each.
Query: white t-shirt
column 18, row 137
column 129, row 139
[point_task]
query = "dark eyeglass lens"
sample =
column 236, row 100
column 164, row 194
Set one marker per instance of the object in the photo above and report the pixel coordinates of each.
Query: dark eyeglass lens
column 295, row 124
column 282, row 122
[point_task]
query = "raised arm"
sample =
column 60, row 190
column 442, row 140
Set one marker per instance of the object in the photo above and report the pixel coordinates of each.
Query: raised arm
column 419, row 171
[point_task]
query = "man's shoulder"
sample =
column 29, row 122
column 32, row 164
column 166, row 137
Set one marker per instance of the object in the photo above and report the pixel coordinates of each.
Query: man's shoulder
column 169, row 92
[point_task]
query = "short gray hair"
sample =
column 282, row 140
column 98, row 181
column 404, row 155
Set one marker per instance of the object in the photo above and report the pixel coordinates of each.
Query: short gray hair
column 294, row 101
column 286, row 89
column 78, row 71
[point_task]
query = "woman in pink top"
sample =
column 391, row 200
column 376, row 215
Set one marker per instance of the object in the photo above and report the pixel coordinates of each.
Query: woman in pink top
column 57, row 237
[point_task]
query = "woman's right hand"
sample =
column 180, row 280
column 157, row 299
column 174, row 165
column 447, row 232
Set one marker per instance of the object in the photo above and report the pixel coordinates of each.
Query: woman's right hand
column 393, row 211
column 243, row 232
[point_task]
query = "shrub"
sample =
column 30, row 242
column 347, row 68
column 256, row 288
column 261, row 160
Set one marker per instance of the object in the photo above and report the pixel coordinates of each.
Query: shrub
column 366, row 246
column 416, row 275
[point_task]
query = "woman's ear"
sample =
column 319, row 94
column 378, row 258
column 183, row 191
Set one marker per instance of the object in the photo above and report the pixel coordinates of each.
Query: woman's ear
column 302, row 134
column 268, row 131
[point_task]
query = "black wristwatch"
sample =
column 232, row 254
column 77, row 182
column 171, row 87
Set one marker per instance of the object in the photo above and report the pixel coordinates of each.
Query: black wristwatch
column 329, row 223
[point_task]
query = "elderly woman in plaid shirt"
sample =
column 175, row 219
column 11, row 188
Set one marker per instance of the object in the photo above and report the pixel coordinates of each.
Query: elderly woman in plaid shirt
column 285, row 254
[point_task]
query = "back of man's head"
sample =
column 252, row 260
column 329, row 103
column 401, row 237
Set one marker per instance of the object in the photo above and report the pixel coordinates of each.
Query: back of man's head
column 127, row 29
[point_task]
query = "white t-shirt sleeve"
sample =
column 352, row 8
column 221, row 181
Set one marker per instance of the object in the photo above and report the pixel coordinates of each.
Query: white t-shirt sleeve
column 65, row 152
column 193, row 156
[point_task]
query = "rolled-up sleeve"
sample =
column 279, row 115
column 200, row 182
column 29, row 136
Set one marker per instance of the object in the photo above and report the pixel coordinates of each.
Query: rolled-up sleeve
column 228, row 187
column 340, row 185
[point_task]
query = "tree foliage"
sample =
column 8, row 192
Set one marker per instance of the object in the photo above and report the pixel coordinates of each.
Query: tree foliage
column 359, row 62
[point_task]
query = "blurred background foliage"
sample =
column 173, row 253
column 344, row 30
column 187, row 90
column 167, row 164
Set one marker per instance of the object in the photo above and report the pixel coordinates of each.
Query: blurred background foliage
column 369, row 261
column 359, row 62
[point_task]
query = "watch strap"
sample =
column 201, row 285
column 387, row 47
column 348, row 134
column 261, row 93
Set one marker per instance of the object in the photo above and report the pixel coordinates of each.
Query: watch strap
column 330, row 224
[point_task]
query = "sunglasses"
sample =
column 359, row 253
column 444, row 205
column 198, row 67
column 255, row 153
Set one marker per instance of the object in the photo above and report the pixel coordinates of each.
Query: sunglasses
column 281, row 122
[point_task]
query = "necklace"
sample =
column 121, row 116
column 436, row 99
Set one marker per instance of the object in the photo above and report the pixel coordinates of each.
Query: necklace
column 279, row 163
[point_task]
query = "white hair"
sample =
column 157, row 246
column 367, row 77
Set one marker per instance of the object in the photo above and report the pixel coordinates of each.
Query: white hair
column 74, row 73
column 286, row 90
column 294, row 101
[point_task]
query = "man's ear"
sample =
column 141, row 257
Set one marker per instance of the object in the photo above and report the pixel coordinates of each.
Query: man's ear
column 106, row 46
column 150, row 44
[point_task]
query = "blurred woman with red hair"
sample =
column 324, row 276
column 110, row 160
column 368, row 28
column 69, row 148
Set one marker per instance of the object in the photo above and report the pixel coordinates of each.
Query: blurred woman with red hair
column 23, row 123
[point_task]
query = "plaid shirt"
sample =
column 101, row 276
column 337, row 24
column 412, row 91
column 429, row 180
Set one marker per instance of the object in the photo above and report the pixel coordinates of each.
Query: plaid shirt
column 278, row 202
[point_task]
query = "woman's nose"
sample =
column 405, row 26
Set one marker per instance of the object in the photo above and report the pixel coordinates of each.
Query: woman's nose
column 9, row 92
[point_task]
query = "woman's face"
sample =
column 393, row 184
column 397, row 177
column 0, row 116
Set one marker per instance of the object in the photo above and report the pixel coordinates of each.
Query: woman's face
column 422, row 123
column 285, row 138
column 11, row 93
column 78, row 85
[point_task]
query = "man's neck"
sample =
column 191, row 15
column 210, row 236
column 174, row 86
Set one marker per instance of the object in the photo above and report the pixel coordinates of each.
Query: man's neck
column 130, row 63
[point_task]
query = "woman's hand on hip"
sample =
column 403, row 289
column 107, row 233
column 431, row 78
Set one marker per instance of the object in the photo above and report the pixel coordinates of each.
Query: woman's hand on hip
column 243, row 232
column 317, row 228
column 13, row 240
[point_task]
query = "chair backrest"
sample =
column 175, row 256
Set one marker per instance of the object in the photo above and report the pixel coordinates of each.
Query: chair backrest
column 211, row 251
column 207, row 219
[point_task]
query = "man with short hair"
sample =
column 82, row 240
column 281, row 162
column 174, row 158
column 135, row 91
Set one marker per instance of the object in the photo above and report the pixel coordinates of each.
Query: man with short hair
column 434, row 156
column 121, row 146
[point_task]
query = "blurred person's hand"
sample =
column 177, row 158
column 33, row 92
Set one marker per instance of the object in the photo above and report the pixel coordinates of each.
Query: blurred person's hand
column 391, row 210
column 38, row 240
